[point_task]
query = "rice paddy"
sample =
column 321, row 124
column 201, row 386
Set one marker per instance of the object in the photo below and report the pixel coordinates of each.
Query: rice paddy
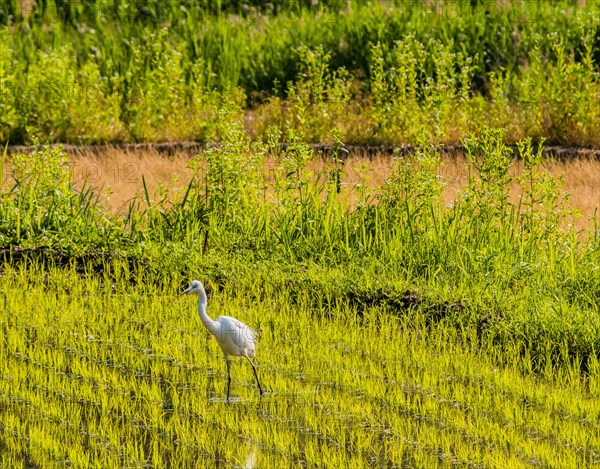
column 95, row 375
column 414, row 309
column 396, row 330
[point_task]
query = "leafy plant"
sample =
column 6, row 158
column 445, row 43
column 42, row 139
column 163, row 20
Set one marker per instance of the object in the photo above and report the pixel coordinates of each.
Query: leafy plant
column 41, row 207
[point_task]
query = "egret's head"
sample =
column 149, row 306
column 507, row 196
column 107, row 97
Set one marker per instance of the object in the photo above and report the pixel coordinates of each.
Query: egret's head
column 195, row 287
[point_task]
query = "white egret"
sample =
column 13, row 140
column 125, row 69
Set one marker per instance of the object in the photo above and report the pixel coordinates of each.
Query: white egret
column 234, row 337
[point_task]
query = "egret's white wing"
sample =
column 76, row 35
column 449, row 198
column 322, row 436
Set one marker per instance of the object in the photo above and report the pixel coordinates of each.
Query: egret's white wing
column 235, row 337
column 237, row 324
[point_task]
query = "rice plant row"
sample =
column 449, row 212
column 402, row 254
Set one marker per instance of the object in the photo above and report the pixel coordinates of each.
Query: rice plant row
column 130, row 378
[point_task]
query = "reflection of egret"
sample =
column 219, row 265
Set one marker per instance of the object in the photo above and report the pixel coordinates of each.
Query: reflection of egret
column 251, row 458
column 234, row 337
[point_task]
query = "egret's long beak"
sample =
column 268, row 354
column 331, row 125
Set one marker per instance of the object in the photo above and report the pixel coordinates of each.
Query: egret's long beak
column 187, row 290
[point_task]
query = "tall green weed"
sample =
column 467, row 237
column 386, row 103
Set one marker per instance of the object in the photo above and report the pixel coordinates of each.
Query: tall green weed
column 40, row 207
column 380, row 74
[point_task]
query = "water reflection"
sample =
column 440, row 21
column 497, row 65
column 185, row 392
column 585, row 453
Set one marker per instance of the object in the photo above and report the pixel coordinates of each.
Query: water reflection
column 251, row 458
column 232, row 399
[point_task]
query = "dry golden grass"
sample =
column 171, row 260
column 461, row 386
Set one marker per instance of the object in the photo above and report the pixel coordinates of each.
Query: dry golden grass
column 117, row 176
column 581, row 180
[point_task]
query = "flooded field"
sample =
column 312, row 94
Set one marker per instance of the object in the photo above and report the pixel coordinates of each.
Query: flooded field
column 94, row 376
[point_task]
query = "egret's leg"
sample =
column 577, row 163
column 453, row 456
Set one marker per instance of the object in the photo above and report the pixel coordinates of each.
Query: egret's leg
column 256, row 376
column 228, row 375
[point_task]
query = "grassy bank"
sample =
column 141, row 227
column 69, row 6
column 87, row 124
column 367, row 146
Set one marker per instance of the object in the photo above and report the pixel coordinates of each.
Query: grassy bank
column 378, row 72
column 118, row 175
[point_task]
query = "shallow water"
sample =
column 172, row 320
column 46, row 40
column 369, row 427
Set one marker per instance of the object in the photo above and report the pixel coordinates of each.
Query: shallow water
column 92, row 378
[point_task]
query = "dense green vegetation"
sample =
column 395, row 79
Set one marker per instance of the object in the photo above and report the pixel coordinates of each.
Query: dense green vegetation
column 379, row 72
column 507, row 270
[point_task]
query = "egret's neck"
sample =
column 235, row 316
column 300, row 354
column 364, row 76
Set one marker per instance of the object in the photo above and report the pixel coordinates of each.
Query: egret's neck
column 206, row 320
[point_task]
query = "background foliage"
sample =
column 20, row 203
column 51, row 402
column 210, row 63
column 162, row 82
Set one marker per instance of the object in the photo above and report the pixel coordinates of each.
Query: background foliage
column 379, row 72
